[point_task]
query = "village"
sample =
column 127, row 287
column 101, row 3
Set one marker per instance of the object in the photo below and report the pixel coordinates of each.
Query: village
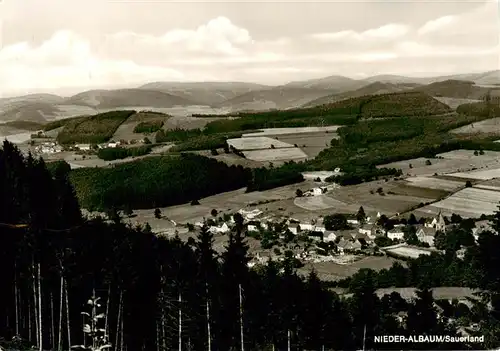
column 331, row 242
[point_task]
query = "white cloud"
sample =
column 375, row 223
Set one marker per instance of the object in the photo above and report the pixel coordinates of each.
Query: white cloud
column 221, row 49
column 388, row 31
column 436, row 24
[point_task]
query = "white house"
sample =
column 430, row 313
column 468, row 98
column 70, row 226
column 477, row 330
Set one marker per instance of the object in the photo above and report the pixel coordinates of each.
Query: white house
column 294, row 228
column 366, row 229
column 426, row 235
column 306, row 226
column 317, row 191
column 249, row 215
column 253, row 227
column 437, row 223
column 353, row 221
column 222, row 229
column 329, row 236
column 396, row 234
column 319, row 229
column 113, row 144
column 83, row 147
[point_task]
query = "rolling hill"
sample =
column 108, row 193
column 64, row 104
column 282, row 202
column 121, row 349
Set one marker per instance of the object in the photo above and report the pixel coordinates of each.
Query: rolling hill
column 335, row 84
column 277, row 98
column 107, row 99
column 483, row 78
column 208, row 93
column 459, row 89
column 370, row 89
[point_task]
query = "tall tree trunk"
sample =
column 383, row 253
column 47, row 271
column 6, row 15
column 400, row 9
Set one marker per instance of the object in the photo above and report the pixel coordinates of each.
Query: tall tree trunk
column 106, row 320
column 61, row 298
column 242, row 340
column 67, row 313
column 180, row 322
column 52, row 323
column 40, row 326
column 30, row 336
column 117, row 336
column 209, row 336
column 122, row 331
column 35, row 300
column 157, row 335
column 16, row 290
column 289, row 340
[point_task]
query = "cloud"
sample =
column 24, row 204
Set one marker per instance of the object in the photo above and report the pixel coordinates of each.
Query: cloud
column 223, row 50
column 437, row 24
column 388, row 31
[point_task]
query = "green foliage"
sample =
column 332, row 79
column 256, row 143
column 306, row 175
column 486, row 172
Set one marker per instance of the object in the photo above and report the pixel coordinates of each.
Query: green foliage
column 27, row 125
column 337, row 221
column 148, row 127
column 116, row 153
column 94, row 129
column 62, row 122
column 156, row 181
column 480, row 109
column 269, row 178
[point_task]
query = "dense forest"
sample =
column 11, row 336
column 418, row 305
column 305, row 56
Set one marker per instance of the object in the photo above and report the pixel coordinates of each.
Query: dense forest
column 155, row 182
column 116, row 153
column 161, row 294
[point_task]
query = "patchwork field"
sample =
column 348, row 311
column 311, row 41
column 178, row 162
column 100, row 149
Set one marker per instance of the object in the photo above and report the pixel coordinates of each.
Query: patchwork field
column 449, row 162
column 257, row 143
column 469, row 202
column 435, row 183
column 454, row 102
column 480, row 175
column 311, row 143
column 271, row 155
column 126, row 130
column 187, row 122
column 487, row 126
column 398, row 196
column 315, row 203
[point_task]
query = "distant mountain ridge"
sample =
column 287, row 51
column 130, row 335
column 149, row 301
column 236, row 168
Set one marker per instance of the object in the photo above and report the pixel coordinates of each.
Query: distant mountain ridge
column 237, row 96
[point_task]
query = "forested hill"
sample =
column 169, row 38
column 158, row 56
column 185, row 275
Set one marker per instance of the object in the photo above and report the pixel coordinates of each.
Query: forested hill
column 53, row 261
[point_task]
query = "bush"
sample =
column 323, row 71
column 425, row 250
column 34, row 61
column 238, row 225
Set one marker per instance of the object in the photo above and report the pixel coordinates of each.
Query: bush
column 116, row 153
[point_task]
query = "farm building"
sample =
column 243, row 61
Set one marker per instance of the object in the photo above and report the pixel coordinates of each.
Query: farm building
column 396, row 233
column 249, row 215
column 329, row 236
column 224, row 228
column 353, row 221
column 366, row 229
column 346, row 245
column 253, row 226
column 437, row 223
column 83, row 147
column 426, row 235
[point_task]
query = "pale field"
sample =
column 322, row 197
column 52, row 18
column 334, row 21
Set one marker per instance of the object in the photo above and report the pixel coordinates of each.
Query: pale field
column 319, row 174
column 455, row 102
column 257, row 143
column 410, row 252
column 17, row 138
column 312, row 143
column 401, row 199
column 297, row 130
column 487, row 126
column 462, row 154
column 479, row 175
column 435, row 183
column 487, row 187
column 271, row 155
column 469, row 202
column 452, row 162
column 321, row 202
column 231, row 202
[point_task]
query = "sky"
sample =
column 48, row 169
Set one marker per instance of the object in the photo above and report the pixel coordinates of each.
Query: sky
column 71, row 45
